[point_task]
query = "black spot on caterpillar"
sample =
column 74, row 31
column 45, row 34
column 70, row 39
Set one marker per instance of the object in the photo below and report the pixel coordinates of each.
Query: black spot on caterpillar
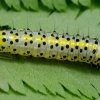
column 50, row 45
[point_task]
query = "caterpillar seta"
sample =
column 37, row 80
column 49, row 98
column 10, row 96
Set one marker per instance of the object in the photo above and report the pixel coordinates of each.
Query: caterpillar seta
column 50, row 45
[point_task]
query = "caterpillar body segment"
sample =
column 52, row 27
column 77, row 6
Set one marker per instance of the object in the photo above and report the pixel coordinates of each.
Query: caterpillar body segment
column 50, row 45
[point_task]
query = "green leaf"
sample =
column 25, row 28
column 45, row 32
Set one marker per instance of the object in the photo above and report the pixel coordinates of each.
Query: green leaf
column 45, row 79
column 48, row 3
column 31, row 94
column 86, row 3
column 75, row 2
column 12, row 3
column 98, row 98
column 57, row 4
column 33, row 4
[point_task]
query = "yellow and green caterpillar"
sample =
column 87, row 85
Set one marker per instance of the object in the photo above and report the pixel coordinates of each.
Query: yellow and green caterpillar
column 50, row 45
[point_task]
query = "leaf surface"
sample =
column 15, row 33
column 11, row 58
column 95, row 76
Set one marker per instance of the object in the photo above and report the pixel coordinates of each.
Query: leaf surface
column 52, row 79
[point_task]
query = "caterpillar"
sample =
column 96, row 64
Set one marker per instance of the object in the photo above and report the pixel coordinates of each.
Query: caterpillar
column 50, row 45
